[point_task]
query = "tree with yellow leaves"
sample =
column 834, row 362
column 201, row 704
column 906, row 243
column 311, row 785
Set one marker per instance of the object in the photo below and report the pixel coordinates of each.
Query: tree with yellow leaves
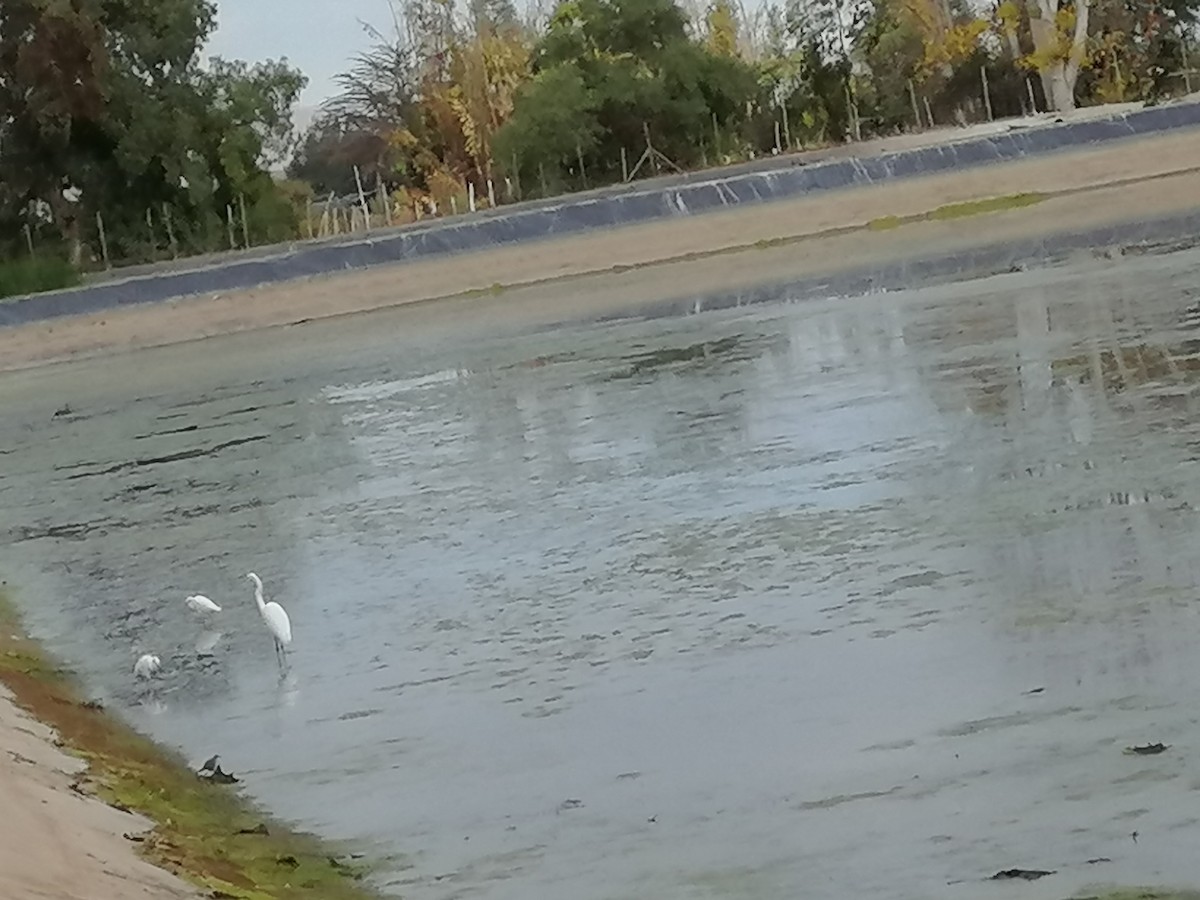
column 722, row 28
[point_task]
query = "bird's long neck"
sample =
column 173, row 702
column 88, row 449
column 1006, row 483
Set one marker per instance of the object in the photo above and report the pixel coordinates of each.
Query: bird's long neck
column 258, row 597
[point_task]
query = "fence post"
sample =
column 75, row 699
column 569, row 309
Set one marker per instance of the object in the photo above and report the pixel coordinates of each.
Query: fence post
column 912, row 95
column 987, row 94
column 245, row 224
column 29, row 239
column 103, row 240
column 362, row 199
column 170, row 231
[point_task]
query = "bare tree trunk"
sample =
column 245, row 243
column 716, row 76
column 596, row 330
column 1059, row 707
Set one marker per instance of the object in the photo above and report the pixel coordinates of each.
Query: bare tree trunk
column 1059, row 76
column 66, row 216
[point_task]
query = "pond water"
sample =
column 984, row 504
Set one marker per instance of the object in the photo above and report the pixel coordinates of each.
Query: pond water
column 858, row 598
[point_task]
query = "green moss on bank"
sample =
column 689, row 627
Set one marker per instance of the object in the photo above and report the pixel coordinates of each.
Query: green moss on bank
column 197, row 824
column 959, row 210
column 1141, row 894
column 34, row 275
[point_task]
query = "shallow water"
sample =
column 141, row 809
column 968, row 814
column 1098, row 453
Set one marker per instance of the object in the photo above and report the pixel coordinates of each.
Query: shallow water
column 856, row 598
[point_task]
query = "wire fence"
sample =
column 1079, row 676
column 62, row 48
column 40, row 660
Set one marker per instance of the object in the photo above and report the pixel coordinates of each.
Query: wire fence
column 244, row 227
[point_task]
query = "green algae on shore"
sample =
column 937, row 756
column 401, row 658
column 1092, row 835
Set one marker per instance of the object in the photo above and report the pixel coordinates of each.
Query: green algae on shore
column 1141, row 894
column 204, row 833
column 959, row 210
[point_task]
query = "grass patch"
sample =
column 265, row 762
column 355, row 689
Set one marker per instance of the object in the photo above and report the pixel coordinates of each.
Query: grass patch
column 959, row 210
column 32, row 276
column 196, row 823
column 1141, row 894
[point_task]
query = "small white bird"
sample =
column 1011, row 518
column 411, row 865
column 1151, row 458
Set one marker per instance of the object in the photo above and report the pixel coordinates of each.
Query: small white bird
column 146, row 665
column 201, row 604
column 274, row 617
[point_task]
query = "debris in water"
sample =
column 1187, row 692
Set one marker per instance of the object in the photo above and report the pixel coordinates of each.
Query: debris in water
column 1036, row 690
column 1026, row 874
column 1147, row 749
column 1134, row 835
column 136, row 838
column 570, row 804
column 217, row 776
column 260, row 828
column 1098, row 859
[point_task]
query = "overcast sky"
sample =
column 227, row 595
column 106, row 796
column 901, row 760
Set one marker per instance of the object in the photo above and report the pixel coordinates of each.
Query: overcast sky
column 317, row 36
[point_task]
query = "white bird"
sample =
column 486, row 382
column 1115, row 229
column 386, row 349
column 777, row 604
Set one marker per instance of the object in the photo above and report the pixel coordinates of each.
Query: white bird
column 146, row 665
column 201, row 604
column 275, row 618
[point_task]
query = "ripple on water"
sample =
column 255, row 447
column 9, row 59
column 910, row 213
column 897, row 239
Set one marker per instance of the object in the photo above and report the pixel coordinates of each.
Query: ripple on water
column 766, row 594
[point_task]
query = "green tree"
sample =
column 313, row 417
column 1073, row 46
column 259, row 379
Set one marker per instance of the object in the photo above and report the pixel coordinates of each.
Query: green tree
column 108, row 110
column 557, row 123
column 628, row 69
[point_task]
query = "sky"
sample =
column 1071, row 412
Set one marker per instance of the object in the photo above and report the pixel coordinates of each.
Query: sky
column 317, row 36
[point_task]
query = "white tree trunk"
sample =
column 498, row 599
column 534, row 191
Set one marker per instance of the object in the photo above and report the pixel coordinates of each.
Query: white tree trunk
column 1059, row 76
column 1059, row 87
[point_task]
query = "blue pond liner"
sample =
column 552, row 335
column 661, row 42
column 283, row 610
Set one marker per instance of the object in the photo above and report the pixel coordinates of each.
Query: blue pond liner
column 625, row 205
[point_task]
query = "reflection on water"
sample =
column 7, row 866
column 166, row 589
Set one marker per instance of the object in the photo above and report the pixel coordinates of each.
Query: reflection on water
column 852, row 598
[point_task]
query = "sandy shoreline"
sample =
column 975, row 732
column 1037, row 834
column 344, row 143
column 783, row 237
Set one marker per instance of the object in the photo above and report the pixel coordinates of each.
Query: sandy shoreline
column 57, row 842
column 1146, row 177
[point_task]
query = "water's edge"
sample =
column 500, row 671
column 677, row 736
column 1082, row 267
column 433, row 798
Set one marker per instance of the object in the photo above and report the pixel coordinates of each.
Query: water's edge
column 207, row 835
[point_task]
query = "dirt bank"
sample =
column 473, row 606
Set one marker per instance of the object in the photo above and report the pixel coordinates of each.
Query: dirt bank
column 55, row 842
column 1147, row 177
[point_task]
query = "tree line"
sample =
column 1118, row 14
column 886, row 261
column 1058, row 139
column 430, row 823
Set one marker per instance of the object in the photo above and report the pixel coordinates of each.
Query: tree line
column 118, row 140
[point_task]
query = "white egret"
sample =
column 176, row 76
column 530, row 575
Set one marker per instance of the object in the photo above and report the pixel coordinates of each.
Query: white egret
column 275, row 618
column 146, row 665
column 200, row 604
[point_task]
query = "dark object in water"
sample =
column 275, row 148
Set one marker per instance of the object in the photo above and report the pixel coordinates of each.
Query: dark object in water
column 1148, row 749
column 136, row 838
column 1098, row 859
column 260, row 828
column 92, row 704
column 63, row 410
column 1036, row 690
column 1026, row 874
column 217, row 776
column 222, row 777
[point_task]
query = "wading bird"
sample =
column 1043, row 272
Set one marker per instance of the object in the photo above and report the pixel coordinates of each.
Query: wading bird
column 200, row 604
column 275, row 618
column 146, row 665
